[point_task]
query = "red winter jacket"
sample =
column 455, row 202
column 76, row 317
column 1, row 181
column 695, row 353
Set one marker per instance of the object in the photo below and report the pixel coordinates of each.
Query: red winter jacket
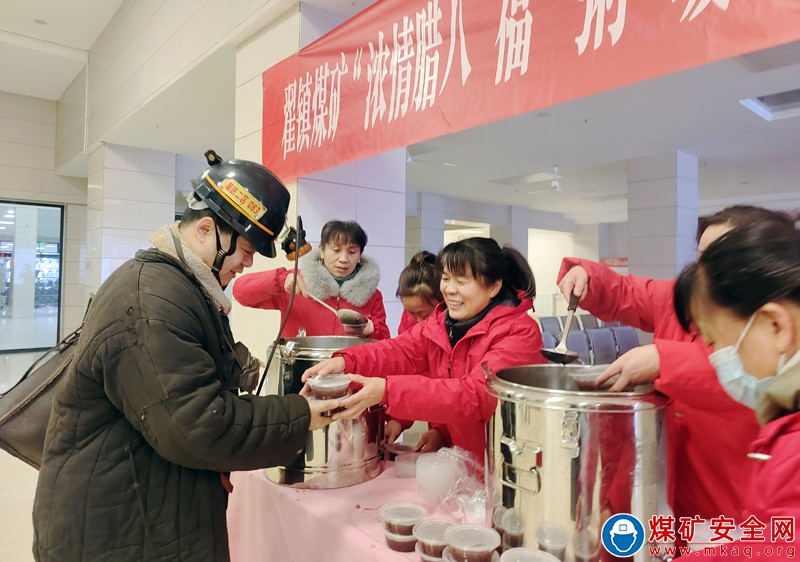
column 406, row 323
column 772, row 490
column 264, row 289
column 707, row 431
column 452, row 392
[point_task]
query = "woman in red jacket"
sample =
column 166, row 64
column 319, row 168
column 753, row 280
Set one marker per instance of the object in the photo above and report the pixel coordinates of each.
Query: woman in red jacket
column 418, row 290
column 743, row 294
column 704, row 481
column 433, row 371
column 338, row 273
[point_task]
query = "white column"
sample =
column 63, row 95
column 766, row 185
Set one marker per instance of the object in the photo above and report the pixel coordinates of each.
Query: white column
column 73, row 269
column 662, row 214
column 24, row 261
column 131, row 195
column 370, row 191
column 515, row 230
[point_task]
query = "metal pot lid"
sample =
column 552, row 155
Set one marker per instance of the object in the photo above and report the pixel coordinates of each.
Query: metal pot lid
column 567, row 386
column 325, row 343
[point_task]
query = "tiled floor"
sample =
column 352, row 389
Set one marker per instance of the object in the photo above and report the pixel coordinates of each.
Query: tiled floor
column 17, row 479
column 40, row 330
column 17, row 486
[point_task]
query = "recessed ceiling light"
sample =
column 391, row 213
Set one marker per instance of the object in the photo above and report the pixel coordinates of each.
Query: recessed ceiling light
column 776, row 106
column 450, row 164
column 40, row 21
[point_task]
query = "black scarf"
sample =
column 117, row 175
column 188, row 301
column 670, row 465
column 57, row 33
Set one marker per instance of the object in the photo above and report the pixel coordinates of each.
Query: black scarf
column 457, row 329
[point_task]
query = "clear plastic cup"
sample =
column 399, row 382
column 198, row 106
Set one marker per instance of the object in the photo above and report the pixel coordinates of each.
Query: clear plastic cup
column 471, row 543
column 436, row 473
column 527, row 555
column 585, row 545
column 328, row 387
column 405, row 465
column 497, row 518
column 552, row 538
column 513, row 529
column 430, row 536
column 400, row 518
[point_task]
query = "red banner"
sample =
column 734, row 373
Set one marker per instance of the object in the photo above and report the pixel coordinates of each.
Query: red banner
column 405, row 71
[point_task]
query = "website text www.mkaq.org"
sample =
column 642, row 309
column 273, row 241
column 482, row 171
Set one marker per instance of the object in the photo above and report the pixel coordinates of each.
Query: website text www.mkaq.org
column 736, row 551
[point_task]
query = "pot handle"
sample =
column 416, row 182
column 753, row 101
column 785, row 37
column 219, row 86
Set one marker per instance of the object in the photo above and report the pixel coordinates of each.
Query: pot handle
column 485, row 368
column 506, row 481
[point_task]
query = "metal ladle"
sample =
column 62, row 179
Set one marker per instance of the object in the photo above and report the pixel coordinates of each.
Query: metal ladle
column 346, row 316
column 561, row 354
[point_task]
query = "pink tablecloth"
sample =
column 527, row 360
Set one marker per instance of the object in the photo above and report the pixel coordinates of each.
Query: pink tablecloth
column 269, row 522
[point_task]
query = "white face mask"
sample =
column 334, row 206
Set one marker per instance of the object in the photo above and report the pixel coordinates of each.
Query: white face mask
column 738, row 383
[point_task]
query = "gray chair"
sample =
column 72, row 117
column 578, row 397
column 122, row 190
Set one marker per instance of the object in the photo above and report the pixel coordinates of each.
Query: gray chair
column 548, row 340
column 588, row 322
column 610, row 324
column 551, row 324
column 626, row 337
column 604, row 346
column 578, row 342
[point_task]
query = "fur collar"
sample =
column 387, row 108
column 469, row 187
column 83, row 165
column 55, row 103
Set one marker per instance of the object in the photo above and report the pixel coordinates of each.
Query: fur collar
column 357, row 291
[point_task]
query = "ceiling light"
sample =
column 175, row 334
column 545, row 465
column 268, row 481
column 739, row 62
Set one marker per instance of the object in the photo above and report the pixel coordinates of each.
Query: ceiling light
column 774, row 106
column 529, row 178
column 449, row 164
column 6, row 222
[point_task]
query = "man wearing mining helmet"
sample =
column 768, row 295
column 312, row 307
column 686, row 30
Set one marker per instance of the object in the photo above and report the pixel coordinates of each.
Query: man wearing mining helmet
column 149, row 415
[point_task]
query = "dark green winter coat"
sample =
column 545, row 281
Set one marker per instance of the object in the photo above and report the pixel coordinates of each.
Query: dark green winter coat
column 145, row 420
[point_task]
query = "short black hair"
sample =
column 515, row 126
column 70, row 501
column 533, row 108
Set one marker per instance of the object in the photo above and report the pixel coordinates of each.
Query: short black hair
column 488, row 262
column 190, row 216
column 343, row 232
column 421, row 278
column 742, row 215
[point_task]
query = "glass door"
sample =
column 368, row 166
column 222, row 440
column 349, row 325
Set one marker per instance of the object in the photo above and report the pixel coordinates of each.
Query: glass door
column 31, row 243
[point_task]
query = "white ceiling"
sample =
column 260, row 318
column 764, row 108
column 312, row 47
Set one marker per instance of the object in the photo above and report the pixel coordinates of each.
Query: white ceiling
column 742, row 157
column 44, row 43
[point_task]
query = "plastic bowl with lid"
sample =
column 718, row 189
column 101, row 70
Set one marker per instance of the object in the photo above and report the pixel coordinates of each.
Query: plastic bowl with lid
column 447, row 556
column 471, row 543
column 400, row 518
column 400, row 543
column 327, row 387
column 430, row 536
